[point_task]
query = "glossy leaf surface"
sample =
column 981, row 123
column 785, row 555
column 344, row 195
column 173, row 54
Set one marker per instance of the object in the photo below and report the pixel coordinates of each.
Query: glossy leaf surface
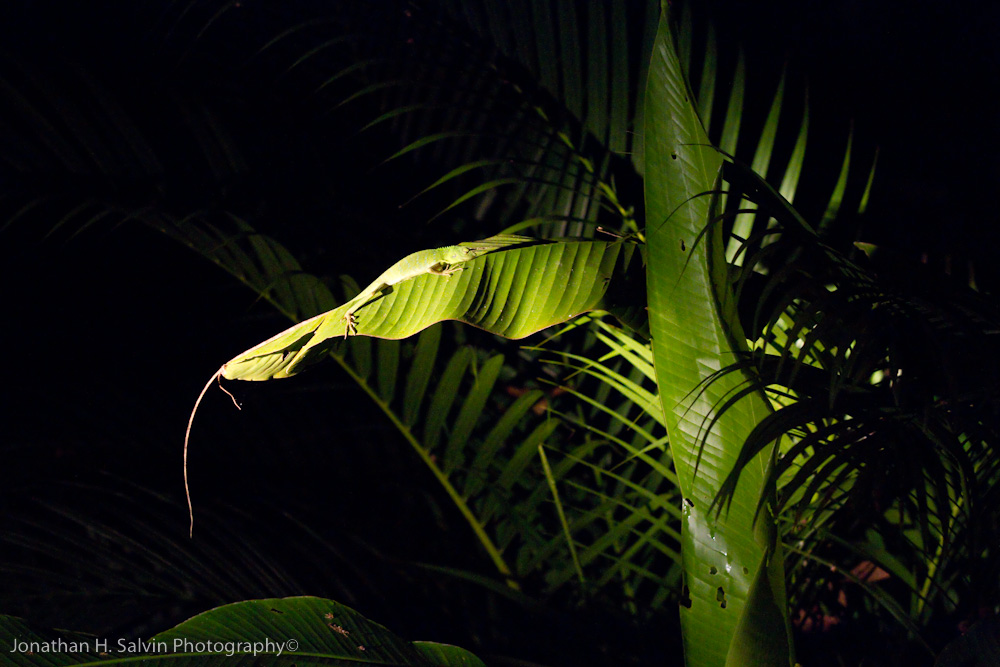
column 511, row 292
column 730, row 594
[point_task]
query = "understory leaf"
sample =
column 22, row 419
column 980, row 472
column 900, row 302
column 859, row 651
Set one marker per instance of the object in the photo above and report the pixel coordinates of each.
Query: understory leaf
column 512, row 292
column 299, row 631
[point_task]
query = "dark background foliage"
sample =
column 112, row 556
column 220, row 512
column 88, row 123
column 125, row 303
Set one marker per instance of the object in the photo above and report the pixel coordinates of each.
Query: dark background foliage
column 110, row 332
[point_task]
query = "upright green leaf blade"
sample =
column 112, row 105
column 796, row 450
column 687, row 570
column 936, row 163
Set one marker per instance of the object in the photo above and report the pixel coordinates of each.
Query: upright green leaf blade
column 388, row 369
column 472, row 408
column 694, row 331
column 417, row 381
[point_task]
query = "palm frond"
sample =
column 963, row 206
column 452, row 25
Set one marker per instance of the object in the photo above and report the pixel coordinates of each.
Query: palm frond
column 867, row 415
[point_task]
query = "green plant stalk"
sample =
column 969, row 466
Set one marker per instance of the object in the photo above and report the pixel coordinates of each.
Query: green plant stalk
column 442, row 478
column 562, row 515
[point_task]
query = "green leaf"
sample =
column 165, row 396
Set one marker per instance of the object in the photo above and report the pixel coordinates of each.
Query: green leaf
column 695, row 335
column 487, row 452
column 299, row 631
column 417, row 390
column 470, row 411
column 445, row 395
column 790, row 181
column 743, row 223
column 837, row 196
column 22, row 646
column 511, row 292
column 446, row 655
column 420, row 375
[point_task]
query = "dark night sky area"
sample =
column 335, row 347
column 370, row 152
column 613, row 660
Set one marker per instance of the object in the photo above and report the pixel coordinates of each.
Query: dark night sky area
column 111, row 334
